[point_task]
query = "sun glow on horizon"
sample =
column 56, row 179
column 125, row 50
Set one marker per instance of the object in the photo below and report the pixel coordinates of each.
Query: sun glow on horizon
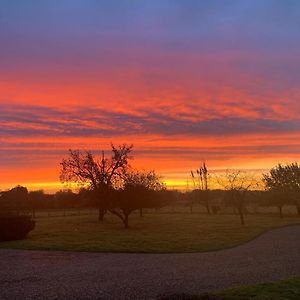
column 180, row 181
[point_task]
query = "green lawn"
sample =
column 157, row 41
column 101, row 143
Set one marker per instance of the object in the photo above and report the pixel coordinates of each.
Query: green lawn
column 155, row 232
column 281, row 290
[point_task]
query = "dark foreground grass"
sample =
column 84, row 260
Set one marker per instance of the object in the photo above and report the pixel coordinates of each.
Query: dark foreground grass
column 281, row 290
column 153, row 233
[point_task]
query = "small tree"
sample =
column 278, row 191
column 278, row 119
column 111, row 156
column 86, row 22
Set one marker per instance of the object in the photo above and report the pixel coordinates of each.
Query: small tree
column 100, row 174
column 140, row 190
column 284, row 183
column 236, row 184
column 275, row 198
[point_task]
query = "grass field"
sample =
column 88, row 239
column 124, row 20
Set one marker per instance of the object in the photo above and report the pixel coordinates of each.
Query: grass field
column 155, row 232
column 281, row 290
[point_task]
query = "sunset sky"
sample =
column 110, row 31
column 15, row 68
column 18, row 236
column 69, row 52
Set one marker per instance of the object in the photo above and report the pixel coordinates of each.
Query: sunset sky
column 184, row 81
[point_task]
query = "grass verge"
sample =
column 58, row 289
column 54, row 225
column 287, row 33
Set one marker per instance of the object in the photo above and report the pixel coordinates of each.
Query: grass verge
column 152, row 233
column 280, row 290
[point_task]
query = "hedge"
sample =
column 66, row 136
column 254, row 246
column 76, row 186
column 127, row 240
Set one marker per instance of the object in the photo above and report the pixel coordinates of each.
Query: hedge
column 15, row 227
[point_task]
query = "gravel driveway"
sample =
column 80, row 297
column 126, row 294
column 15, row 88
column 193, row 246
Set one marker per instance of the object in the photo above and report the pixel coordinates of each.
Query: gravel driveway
column 68, row 275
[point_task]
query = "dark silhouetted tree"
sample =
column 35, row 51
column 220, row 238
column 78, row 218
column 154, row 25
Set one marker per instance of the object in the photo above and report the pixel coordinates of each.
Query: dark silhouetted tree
column 283, row 181
column 275, row 198
column 237, row 184
column 100, row 174
column 139, row 190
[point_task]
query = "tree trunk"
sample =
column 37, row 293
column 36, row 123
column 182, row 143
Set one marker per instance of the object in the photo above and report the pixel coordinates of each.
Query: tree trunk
column 125, row 221
column 280, row 212
column 191, row 208
column 207, row 207
column 101, row 213
column 242, row 217
column 298, row 208
column 123, row 216
column 141, row 212
column 240, row 211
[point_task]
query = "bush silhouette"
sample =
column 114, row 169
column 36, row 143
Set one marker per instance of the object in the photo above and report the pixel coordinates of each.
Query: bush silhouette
column 15, row 227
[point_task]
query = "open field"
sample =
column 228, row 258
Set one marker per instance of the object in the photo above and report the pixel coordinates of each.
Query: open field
column 153, row 233
column 280, row 290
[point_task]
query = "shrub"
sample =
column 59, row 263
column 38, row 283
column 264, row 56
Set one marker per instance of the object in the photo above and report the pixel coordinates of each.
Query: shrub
column 15, row 227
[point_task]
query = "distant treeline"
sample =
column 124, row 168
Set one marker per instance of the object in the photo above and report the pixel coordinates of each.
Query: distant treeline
column 20, row 199
column 113, row 186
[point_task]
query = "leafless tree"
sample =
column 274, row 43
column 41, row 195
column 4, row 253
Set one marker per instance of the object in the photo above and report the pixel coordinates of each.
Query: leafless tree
column 100, row 174
column 236, row 184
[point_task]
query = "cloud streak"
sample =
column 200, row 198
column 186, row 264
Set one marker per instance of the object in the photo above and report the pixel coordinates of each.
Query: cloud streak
column 182, row 80
column 81, row 121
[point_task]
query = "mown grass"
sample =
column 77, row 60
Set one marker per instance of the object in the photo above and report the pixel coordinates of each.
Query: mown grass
column 281, row 290
column 152, row 233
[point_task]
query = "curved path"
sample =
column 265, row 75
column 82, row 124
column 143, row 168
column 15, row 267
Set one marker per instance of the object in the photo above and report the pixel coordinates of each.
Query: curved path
column 63, row 275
